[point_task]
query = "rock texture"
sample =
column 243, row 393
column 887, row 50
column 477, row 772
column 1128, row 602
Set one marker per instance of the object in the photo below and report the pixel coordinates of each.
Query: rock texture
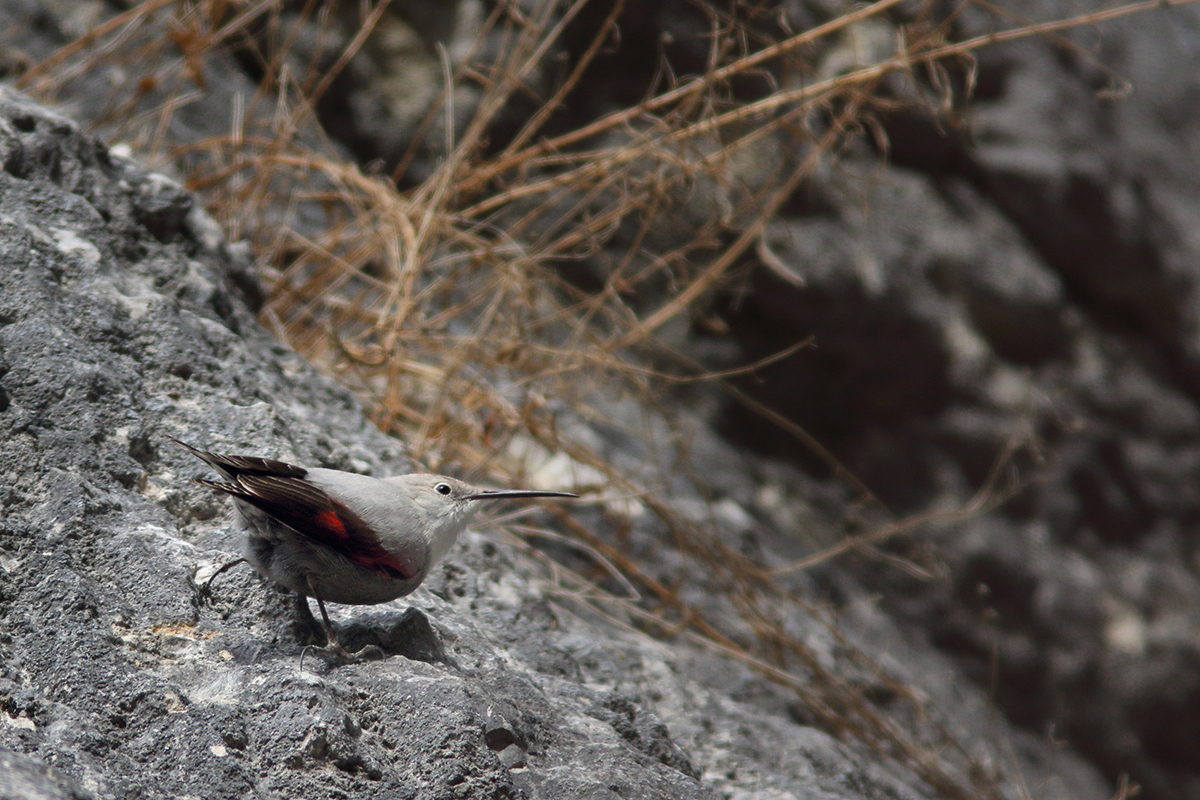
column 1033, row 281
column 1031, row 277
column 119, row 325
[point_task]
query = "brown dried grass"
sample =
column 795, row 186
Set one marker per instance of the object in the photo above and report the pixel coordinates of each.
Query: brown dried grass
column 444, row 307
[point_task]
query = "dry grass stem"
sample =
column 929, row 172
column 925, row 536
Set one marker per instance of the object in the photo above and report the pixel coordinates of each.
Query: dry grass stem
column 515, row 296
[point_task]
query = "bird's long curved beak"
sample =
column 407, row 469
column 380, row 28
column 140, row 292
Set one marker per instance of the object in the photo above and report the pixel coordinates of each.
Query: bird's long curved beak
column 501, row 494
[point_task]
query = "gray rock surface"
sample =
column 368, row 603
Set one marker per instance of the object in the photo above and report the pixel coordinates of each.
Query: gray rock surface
column 119, row 326
column 1034, row 281
column 1029, row 277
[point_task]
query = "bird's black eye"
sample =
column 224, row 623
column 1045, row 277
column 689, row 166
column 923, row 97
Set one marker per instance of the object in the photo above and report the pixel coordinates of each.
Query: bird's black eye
column 442, row 488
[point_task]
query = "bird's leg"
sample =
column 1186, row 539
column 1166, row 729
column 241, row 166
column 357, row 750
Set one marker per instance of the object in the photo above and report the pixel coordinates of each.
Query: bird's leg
column 331, row 640
column 206, row 589
column 307, row 627
column 368, row 653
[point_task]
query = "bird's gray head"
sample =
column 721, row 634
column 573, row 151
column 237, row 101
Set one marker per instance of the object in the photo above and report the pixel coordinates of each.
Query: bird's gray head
column 442, row 506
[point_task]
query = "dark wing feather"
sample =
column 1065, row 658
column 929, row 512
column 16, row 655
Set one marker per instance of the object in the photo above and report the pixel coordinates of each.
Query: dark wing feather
column 280, row 490
column 233, row 466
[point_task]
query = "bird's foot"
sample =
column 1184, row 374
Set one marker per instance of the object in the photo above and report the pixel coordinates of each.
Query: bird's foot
column 333, row 647
column 205, row 589
column 370, row 652
column 337, row 655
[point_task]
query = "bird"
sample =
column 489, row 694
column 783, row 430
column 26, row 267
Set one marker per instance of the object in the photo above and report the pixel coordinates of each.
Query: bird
column 342, row 537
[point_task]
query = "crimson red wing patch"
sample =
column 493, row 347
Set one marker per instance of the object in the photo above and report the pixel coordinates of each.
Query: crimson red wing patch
column 332, row 523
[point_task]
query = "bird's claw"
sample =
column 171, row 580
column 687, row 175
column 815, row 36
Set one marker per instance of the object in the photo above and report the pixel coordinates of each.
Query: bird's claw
column 340, row 655
column 204, row 590
column 370, row 652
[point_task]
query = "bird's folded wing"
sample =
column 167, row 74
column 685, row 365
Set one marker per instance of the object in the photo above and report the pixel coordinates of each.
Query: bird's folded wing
column 311, row 512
